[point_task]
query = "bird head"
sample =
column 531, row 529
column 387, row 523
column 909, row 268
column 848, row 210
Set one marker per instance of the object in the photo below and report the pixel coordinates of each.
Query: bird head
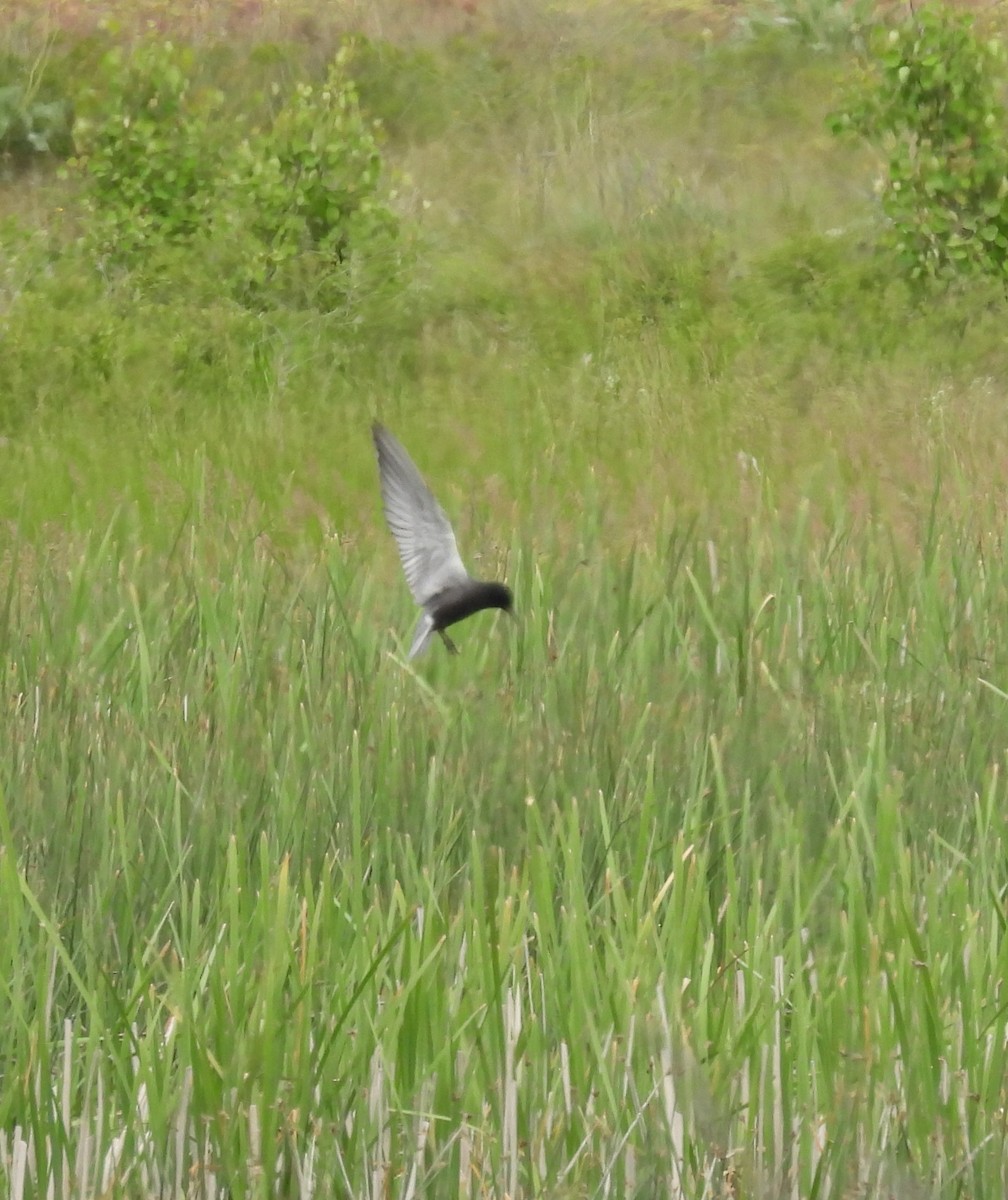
column 500, row 597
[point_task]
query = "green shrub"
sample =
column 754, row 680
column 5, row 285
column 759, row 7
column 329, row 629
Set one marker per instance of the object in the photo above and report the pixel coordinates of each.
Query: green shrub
column 35, row 120
column 932, row 103
column 818, row 24
column 278, row 214
column 146, row 145
column 303, row 195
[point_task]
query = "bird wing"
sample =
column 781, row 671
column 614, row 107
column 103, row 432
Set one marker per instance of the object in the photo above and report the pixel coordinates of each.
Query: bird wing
column 422, row 532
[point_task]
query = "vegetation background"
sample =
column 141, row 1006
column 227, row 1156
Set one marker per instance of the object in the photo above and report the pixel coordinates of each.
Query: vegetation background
column 691, row 883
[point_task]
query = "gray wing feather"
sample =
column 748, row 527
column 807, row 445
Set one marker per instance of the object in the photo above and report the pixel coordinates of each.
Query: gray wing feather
column 422, row 532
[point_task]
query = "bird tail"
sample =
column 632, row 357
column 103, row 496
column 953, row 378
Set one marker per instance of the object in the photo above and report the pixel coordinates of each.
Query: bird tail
column 422, row 636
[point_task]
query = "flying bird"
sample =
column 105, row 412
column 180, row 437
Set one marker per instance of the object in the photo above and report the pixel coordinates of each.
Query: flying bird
column 440, row 584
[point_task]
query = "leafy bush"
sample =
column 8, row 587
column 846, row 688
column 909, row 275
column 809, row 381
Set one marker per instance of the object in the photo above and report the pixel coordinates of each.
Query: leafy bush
column 932, row 102
column 146, row 147
column 818, row 24
column 305, row 192
column 278, row 212
column 34, row 120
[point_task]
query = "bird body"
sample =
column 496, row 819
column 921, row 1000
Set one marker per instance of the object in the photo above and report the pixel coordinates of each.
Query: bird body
column 440, row 584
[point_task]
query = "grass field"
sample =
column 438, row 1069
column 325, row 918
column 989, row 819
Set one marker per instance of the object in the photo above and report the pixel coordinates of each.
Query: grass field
column 690, row 882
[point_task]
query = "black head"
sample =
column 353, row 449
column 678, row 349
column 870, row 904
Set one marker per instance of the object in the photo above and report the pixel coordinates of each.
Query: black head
column 457, row 603
column 499, row 596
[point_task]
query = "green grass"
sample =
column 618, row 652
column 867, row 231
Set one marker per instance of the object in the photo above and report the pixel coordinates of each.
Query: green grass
column 690, row 881
column 698, row 869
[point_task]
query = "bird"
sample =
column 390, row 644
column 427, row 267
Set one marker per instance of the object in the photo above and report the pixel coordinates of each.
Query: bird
column 440, row 584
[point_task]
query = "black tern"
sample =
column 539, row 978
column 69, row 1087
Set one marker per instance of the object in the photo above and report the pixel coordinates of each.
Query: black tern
column 440, row 584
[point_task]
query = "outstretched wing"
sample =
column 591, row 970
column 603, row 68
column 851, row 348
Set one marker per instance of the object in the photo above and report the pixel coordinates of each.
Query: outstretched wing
column 422, row 532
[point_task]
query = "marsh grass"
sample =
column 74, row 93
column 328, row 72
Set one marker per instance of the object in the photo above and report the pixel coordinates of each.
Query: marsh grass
column 692, row 880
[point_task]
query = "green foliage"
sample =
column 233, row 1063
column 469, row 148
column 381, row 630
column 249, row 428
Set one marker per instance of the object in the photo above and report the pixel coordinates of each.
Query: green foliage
column 35, row 120
column 144, row 140
column 278, row 904
column 304, row 193
column 820, row 24
column 278, row 212
column 932, row 102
